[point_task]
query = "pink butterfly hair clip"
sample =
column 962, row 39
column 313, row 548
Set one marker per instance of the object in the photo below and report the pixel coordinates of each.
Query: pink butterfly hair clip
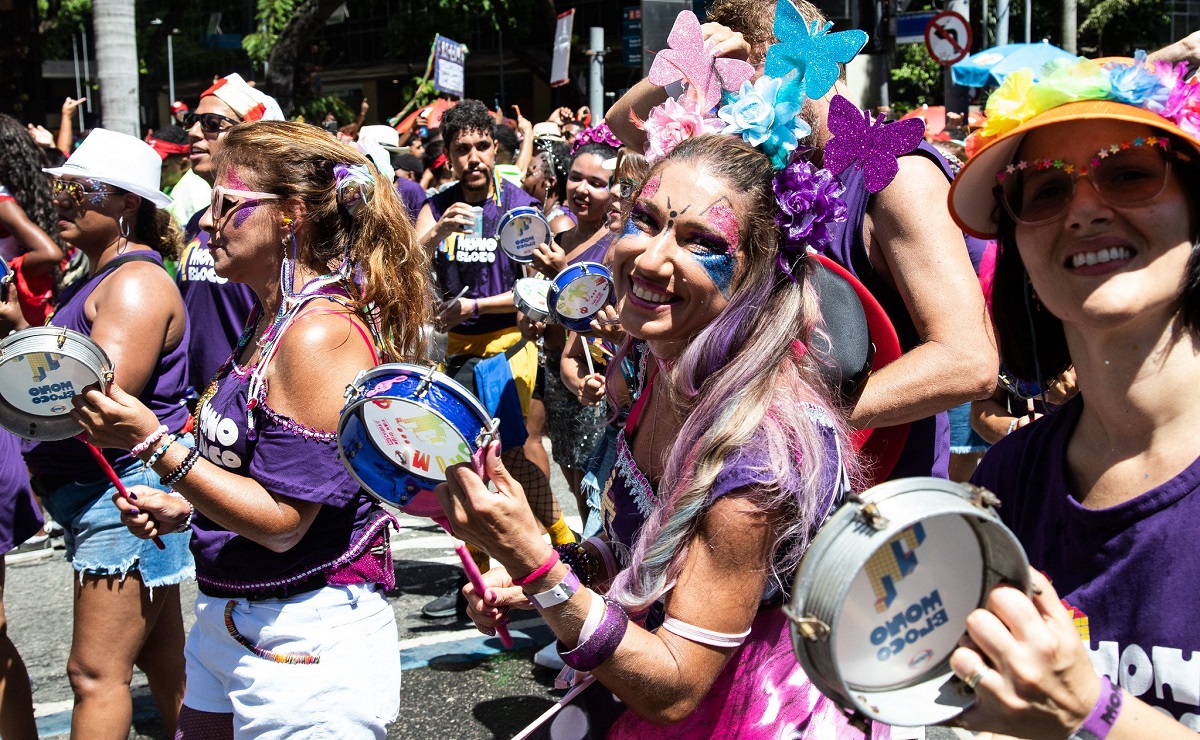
column 873, row 148
column 689, row 60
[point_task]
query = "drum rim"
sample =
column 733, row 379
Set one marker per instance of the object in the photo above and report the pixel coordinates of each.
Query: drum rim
column 75, row 345
column 804, row 582
column 534, row 312
column 586, row 270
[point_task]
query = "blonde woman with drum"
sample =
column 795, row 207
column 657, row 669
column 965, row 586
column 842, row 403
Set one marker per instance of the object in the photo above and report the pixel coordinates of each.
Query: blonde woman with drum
column 1094, row 199
column 294, row 635
column 126, row 606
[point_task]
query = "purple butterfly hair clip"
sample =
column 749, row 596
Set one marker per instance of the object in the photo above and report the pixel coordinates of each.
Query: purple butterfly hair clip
column 873, row 148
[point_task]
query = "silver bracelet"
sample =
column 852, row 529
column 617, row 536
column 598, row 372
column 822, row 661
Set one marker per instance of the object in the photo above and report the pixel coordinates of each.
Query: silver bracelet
column 186, row 526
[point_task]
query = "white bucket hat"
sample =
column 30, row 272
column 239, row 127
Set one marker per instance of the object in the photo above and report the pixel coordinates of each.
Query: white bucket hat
column 119, row 160
column 385, row 136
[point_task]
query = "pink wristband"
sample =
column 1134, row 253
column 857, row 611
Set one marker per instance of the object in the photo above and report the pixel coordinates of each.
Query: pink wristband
column 1104, row 714
column 540, row 571
column 145, row 444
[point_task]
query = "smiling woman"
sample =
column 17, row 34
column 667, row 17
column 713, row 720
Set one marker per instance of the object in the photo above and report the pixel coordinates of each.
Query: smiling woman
column 1096, row 214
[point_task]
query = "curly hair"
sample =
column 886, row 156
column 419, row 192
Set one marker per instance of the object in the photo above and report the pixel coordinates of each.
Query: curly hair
column 21, row 164
column 467, row 116
column 296, row 160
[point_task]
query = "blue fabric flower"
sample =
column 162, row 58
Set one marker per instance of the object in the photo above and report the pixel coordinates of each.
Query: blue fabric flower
column 758, row 116
column 1136, row 84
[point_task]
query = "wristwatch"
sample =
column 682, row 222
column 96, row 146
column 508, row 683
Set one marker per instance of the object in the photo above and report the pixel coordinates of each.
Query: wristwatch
column 560, row 592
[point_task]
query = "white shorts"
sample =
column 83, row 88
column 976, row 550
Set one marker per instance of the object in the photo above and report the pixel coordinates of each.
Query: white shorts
column 351, row 691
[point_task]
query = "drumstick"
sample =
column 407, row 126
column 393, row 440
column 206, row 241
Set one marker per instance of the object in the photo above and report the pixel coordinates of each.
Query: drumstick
column 102, row 461
column 546, row 715
column 587, row 355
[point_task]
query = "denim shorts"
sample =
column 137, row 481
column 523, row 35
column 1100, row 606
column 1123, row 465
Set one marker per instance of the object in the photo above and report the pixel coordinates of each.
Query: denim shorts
column 99, row 544
column 963, row 439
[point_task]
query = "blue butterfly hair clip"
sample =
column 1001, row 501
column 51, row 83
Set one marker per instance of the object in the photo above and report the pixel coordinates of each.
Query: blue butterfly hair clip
column 811, row 50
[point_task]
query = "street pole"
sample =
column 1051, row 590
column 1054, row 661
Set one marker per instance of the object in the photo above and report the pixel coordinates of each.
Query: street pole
column 956, row 97
column 1070, row 30
column 87, row 75
column 1028, row 21
column 78, row 86
column 1001, row 22
column 596, row 71
column 171, row 67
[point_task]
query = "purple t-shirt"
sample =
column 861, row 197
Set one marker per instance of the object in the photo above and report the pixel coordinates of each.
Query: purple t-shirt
column 288, row 460
column 412, row 195
column 20, row 517
column 478, row 263
column 1130, row 571
column 163, row 393
column 927, row 451
column 217, row 309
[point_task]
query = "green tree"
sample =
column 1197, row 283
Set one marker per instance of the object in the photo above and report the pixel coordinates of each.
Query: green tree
column 1120, row 27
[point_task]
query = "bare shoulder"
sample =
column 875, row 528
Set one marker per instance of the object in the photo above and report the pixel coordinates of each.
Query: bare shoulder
column 737, row 531
column 138, row 286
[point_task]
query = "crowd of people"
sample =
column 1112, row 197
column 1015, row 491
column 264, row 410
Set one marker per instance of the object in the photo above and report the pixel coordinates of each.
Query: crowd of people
column 240, row 270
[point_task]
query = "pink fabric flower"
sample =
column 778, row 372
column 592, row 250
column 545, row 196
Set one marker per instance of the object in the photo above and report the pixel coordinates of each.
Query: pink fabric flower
column 1183, row 107
column 672, row 122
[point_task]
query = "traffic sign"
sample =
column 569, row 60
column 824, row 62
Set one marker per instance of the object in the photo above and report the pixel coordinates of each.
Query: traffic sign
column 910, row 27
column 948, row 38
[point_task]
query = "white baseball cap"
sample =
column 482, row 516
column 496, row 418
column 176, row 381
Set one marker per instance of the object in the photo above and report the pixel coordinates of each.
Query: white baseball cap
column 119, row 160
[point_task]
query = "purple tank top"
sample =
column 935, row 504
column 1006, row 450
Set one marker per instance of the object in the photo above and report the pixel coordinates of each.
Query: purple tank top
column 927, row 451
column 478, row 264
column 289, row 460
column 163, row 393
column 20, row 517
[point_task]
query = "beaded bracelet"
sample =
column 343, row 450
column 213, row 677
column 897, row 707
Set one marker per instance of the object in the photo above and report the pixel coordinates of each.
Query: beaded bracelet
column 578, row 559
column 540, row 571
column 601, row 644
column 176, row 475
column 144, row 445
column 162, row 450
column 187, row 523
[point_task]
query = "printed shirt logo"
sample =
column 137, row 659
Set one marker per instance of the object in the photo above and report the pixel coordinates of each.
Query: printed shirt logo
column 892, row 562
column 467, row 248
column 218, row 435
column 196, row 263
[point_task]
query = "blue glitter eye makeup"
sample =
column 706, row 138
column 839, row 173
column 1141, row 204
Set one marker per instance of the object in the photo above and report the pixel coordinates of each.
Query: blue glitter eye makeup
column 719, row 267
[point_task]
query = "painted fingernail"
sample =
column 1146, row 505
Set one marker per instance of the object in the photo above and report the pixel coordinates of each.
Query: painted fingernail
column 134, row 512
column 489, row 596
column 490, row 633
column 133, row 497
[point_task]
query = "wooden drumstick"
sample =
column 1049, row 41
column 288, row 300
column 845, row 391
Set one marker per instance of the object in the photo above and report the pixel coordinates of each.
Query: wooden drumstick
column 102, row 461
column 587, row 355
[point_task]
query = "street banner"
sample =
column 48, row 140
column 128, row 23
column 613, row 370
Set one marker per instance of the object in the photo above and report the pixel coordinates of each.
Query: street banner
column 560, row 67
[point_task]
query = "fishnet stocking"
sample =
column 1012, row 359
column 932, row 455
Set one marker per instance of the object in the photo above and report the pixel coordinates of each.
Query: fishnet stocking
column 196, row 725
column 536, row 484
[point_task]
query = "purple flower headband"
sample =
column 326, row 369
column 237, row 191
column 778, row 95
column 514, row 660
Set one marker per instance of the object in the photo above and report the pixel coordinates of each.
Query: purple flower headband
column 355, row 186
column 601, row 134
column 809, row 203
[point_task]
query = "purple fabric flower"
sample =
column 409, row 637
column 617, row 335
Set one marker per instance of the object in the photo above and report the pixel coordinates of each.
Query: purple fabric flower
column 601, row 134
column 809, row 202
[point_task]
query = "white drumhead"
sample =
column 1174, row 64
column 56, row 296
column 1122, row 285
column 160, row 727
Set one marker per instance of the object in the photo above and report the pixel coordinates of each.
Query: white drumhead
column 533, row 292
column 43, row 383
column 419, row 440
column 905, row 610
column 583, row 296
column 521, row 231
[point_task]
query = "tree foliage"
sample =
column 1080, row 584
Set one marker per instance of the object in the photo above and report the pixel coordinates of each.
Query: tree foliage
column 271, row 17
column 1120, row 27
column 916, row 79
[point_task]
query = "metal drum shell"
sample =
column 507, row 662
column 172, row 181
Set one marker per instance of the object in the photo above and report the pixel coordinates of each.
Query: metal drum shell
column 840, row 552
column 510, row 216
column 56, row 340
column 560, row 283
column 375, row 470
column 533, row 312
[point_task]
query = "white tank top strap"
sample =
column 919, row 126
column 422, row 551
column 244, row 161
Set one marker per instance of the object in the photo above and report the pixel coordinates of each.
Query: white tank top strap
column 703, row 636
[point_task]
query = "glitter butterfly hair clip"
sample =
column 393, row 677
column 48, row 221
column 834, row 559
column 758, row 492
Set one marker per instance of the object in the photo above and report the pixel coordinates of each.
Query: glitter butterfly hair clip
column 873, row 147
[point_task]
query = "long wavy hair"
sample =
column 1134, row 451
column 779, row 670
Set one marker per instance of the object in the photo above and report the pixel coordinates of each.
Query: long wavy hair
column 744, row 388
column 296, row 160
column 21, row 173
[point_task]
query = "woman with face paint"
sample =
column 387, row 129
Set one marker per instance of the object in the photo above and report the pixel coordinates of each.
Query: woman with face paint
column 126, row 605
column 731, row 457
column 292, row 556
column 574, row 429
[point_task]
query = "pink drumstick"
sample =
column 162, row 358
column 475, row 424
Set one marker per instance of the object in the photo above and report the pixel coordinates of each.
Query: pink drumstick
column 102, row 461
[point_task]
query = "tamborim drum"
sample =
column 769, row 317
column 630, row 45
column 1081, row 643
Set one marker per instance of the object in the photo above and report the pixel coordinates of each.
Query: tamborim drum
column 881, row 597
column 530, row 298
column 402, row 426
column 578, row 292
column 520, row 231
column 41, row 369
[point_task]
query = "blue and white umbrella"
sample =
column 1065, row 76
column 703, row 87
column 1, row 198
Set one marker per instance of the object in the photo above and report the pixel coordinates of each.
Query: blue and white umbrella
column 991, row 66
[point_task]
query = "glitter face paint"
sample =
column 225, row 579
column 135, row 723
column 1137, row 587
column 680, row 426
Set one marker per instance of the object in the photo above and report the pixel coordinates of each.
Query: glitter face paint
column 724, row 220
column 243, row 214
column 651, row 186
column 719, row 267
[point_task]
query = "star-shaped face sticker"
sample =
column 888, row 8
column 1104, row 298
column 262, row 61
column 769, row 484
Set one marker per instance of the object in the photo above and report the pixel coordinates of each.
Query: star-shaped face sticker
column 688, row 59
column 810, row 50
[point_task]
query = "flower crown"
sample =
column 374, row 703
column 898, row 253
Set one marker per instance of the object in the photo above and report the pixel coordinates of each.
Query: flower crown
column 719, row 97
column 1159, row 87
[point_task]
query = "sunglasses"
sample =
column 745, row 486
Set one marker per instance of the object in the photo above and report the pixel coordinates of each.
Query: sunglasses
column 1132, row 173
column 210, row 123
column 76, row 190
column 225, row 201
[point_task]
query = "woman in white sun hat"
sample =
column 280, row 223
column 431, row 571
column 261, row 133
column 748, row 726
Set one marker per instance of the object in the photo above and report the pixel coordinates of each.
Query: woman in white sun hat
column 126, row 605
column 1088, row 179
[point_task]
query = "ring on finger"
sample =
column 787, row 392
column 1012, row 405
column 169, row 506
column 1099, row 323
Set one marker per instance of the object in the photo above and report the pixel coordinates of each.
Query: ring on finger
column 977, row 675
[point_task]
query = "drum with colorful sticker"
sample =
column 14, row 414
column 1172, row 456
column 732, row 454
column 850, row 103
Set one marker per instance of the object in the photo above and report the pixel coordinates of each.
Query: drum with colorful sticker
column 520, row 231
column 881, row 597
column 530, row 297
column 402, row 426
column 578, row 292
column 41, row 369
